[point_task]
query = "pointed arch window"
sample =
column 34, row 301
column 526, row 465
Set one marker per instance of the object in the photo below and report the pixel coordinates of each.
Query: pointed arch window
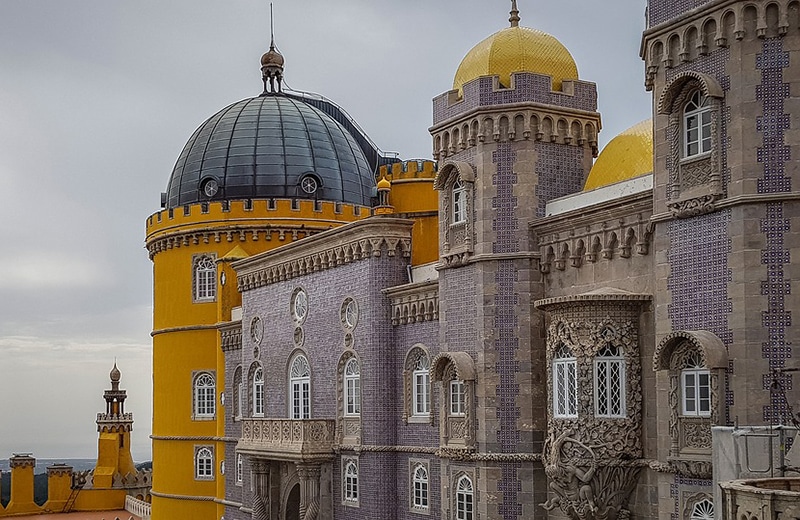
column 696, row 388
column 703, row 510
column 420, row 482
column 258, row 393
column 352, row 388
column 239, row 469
column 300, row 388
column 205, row 279
column 350, row 482
column 204, row 396
column 464, row 499
column 565, row 383
column 459, row 201
column 697, row 125
column 609, row 382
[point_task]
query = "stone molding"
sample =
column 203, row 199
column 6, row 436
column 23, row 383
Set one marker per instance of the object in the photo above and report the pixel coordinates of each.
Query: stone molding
column 515, row 122
column 414, row 302
column 339, row 246
column 195, row 498
column 609, row 230
column 685, row 38
column 738, row 200
column 244, row 233
column 231, row 335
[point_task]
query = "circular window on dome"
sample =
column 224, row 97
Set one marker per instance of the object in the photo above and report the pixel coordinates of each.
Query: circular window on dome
column 309, row 184
column 349, row 314
column 299, row 305
column 209, row 187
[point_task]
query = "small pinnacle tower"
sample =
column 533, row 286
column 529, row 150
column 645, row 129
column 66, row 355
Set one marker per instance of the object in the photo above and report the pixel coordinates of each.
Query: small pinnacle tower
column 114, row 445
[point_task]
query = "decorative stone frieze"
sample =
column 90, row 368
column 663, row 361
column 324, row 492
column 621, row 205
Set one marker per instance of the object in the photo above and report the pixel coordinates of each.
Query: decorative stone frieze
column 231, row 336
column 414, row 302
column 606, row 231
column 350, row 243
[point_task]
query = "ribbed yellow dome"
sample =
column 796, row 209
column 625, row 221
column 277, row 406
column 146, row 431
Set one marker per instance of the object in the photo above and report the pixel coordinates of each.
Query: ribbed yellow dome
column 517, row 49
column 628, row 155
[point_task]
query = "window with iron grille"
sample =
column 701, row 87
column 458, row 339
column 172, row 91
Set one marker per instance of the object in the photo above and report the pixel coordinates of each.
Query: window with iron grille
column 609, row 383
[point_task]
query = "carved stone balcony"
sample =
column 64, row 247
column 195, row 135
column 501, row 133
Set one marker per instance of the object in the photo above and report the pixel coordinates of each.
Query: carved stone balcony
column 761, row 499
column 302, row 440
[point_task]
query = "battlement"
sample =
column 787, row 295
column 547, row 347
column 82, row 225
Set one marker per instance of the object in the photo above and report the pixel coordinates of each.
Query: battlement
column 526, row 87
column 407, row 170
column 250, row 209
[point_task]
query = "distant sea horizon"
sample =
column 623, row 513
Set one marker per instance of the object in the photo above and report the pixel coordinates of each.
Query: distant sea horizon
column 43, row 463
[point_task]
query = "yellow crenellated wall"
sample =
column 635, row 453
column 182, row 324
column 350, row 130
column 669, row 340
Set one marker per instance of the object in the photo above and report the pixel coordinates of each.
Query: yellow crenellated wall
column 186, row 339
column 412, row 196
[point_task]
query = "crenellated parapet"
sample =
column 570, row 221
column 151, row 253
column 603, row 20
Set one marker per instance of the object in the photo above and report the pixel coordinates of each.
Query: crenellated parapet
column 525, row 112
column 114, row 423
column 697, row 32
column 245, row 220
column 414, row 169
column 414, row 302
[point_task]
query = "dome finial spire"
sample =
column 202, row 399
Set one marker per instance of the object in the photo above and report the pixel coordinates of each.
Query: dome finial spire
column 514, row 19
column 272, row 62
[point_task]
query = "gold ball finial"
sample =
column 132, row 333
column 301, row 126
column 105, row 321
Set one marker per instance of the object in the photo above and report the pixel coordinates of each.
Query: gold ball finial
column 514, row 19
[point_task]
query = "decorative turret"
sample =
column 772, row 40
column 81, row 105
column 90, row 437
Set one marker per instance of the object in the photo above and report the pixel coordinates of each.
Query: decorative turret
column 272, row 63
column 114, row 445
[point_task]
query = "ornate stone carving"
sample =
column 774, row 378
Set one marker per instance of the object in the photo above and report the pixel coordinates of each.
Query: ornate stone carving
column 696, row 173
column 693, row 207
column 697, row 434
column 414, row 303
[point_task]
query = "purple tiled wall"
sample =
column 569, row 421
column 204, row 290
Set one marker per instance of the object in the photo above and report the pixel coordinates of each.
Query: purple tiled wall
column 660, row 11
column 560, row 171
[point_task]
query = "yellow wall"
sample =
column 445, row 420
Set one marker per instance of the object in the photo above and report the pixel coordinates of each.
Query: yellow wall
column 21, row 491
column 186, row 339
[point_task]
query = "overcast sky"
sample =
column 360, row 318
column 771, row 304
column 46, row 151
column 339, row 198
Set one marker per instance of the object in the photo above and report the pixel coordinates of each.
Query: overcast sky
column 97, row 98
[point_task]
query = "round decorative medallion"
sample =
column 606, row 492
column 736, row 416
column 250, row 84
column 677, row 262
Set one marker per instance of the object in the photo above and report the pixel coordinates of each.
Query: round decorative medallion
column 349, row 314
column 256, row 330
column 348, row 340
column 298, row 336
column 299, row 305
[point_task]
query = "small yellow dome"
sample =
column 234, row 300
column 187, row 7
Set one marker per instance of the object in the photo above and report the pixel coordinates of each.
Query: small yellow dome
column 628, row 155
column 384, row 184
column 517, row 49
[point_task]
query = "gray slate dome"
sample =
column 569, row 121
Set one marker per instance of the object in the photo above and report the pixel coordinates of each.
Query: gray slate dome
column 270, row 146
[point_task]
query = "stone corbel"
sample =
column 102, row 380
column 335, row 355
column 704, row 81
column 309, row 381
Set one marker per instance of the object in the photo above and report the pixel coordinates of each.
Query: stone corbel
column 694, row 206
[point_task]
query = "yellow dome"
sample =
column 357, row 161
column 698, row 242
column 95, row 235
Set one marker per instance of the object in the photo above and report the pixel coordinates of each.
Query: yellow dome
column 517, row 49
column 628, row 155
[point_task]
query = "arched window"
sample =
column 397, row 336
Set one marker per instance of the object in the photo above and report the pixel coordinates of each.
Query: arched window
column 238, row 394
column 239, row 468
column 420, row 481
column 696, row 388
column 300, row 389
column 258, row 393
column 565, row 383
column 350, row 482
column 420, row 379
column 459, row 201
column 703, row 510
column 352, row 388
column 457, row 405
column 697, row 126
column 609, row 383
column 204, row 463
column 205, row 279
column 464, row 500
column 204, row 395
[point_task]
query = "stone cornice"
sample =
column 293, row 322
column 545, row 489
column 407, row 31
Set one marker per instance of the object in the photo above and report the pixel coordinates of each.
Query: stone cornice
column 736, row 200
column 187, row 328
column 231, row 335
column 414, row 302
column 689, row 16
column 512, row 107
column 343, row 245
column 609, row 295
column 587, row 215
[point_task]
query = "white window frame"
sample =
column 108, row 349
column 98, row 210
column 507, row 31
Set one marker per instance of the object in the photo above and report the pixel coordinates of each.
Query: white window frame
column 205, row 279
column 205, row 396
column 420, row 388
column 465, row 499
column 457, row 405
column 204, row 463
column 299, row 388
column 350, row 490
column 565, row 384
column 697, row 118
column 239, row 469
column 693, row 404
column 703, row 510
column 609, row 365
column 258, row 392
column 459, row 201
column 352, row 388
column 420, row 487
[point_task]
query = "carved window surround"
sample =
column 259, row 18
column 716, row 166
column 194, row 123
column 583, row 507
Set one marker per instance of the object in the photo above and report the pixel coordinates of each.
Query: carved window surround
column 690, row 436
column 416, row 357
column 455, row 431
column 348, row 427
column 456, row 238
column 414, row 302
column 695, row 183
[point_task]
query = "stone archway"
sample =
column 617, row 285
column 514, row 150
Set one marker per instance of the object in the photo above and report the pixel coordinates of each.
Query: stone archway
column 292, row 508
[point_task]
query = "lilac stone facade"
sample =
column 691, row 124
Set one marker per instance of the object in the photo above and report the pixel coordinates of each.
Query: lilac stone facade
column 693, row 275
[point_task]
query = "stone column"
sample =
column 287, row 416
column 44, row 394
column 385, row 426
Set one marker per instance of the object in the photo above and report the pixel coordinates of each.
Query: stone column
column 261, row 474
column 309, row 490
